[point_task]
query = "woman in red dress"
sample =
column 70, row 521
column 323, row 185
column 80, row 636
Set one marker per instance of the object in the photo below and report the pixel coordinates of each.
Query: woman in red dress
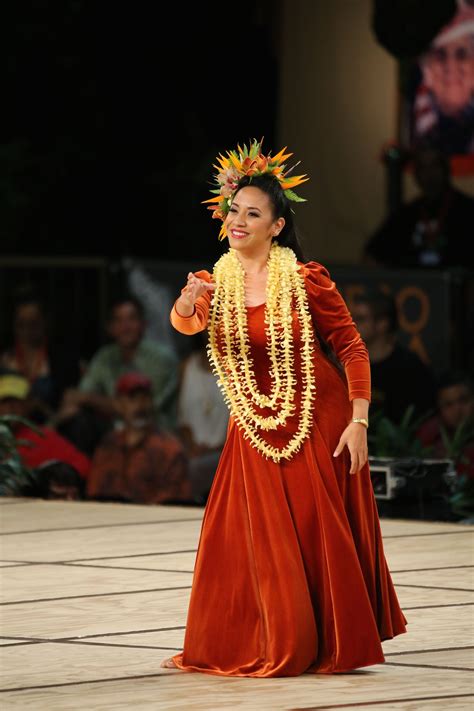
column 290, row 573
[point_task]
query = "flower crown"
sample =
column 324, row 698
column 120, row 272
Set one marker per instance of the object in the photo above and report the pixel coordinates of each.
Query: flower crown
column 249, row 161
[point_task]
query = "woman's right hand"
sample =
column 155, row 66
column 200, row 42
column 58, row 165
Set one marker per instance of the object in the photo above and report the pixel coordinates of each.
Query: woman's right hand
column 194, row 288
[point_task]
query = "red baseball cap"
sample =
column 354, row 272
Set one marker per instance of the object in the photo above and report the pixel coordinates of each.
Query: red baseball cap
column 129, row 382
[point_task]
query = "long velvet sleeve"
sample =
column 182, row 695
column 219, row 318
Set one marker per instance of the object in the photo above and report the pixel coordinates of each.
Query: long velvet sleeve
column 198, row 320
column 334, row 323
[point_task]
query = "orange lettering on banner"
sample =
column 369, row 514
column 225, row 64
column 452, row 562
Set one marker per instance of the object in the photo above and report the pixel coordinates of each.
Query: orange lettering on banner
column 414, row 328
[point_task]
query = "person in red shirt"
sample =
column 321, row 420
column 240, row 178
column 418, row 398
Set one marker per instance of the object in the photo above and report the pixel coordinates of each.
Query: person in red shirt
column 42, row 445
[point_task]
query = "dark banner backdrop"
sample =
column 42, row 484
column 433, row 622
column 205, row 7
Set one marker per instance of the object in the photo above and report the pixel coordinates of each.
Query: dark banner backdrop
column 426, row 302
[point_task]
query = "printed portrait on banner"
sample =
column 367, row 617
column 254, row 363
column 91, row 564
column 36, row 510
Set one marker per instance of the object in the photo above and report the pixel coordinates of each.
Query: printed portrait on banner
column 439, row 106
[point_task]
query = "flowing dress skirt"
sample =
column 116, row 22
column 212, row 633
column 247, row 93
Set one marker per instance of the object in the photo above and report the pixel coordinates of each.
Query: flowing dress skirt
column 290, row 573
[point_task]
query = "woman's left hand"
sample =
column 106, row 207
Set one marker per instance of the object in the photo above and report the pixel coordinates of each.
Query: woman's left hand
column 355, row 437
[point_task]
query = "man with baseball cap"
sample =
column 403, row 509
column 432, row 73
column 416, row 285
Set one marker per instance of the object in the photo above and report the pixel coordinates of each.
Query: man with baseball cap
column 138, row 462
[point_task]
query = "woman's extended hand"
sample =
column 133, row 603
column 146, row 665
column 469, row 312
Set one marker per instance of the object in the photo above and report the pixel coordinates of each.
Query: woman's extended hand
column 194, row 288
column 355, row 438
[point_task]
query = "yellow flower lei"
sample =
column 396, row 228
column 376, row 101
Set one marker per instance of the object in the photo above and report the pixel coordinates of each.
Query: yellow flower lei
column 233, row 365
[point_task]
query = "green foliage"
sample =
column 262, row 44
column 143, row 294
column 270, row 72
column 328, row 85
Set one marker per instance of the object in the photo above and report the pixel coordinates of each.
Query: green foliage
column 462, row 496
column 388, row 439
column 463, row 435
column 15, row 478
column 462, row 489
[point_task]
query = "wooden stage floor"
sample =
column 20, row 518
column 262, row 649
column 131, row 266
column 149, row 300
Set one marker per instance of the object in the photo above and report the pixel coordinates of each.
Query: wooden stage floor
column 93, row 596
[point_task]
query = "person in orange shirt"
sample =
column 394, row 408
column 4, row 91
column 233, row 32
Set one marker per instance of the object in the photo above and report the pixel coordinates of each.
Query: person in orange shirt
column 138, row 462
column 290, row 574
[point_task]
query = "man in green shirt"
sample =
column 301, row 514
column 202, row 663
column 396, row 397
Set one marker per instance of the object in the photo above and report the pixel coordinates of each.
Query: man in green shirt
column 129, row 352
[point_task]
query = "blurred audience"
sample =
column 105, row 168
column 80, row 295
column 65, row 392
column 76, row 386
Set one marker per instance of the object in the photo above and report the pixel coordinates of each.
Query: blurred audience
column 40, row 446
column 202, row 418
column 53, row 480
column 399, row 376
column 88, row 411
column 49, row 367
column 450, row 433
column 138, row 462
column 434, row 229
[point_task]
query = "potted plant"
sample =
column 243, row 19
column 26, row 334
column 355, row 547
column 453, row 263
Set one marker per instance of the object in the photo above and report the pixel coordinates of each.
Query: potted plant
column 462, row 485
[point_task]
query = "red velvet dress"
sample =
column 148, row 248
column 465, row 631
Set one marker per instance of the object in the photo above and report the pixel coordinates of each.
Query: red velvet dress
column 290, row 573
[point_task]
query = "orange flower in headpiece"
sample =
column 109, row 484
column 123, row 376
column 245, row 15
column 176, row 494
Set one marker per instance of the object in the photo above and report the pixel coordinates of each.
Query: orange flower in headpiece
column 262, row 163
column 249, row 167
column 249, row 161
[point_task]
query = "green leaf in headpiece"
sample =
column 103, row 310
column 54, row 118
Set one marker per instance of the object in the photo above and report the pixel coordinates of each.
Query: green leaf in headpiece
column 254, row 149
column 293, row 196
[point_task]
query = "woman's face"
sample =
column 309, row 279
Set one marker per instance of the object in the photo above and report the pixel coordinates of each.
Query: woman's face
column 250, row 223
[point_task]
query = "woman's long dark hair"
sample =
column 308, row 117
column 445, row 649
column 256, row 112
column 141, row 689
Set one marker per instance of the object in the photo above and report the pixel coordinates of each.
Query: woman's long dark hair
column 288, row 237
column 268, row 184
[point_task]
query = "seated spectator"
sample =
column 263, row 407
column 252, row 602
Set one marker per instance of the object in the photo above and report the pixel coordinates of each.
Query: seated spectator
column 399, row 377
column 202, row 418
column 435, row 229
column 455, row 400
column 42, row 445
column 57, row 480
column 87, row 412
column 48, row 367
column 53, row 480
column 138, row 463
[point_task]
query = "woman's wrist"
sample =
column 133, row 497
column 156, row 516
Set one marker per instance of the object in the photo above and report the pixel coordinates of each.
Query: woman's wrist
column 360, row 407
column 360, row 412
column 184, row 308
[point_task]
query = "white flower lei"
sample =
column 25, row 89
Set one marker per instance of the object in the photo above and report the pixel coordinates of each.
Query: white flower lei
column 233, row 365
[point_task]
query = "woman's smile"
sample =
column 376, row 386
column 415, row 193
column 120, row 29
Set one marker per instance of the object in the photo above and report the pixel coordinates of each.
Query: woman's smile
column 238, row 234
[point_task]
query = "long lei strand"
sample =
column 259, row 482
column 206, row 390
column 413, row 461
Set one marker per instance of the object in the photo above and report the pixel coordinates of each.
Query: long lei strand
column 232, row 363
